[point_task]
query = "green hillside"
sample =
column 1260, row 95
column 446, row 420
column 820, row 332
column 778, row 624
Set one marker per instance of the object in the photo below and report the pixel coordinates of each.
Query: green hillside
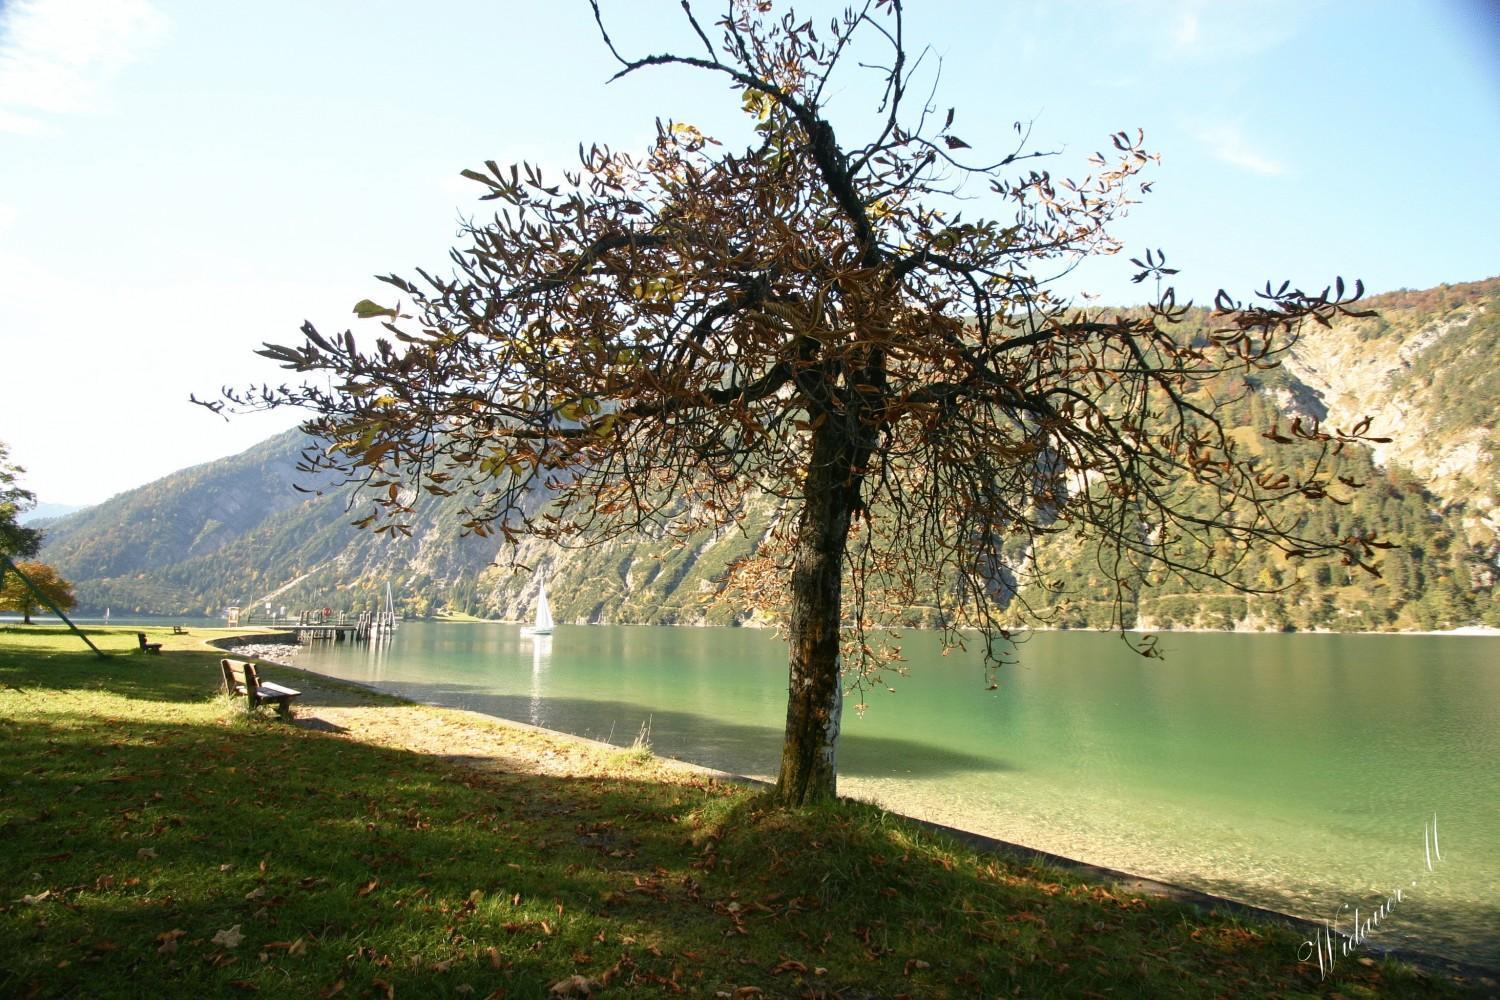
column 236, row 532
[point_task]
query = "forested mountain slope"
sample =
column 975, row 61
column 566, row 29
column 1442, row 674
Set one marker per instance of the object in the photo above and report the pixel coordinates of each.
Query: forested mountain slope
column 236, row 532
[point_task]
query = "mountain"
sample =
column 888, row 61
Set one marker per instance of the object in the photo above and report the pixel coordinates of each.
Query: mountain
column 1428, row 361
column 44, row 513
column 235, row 531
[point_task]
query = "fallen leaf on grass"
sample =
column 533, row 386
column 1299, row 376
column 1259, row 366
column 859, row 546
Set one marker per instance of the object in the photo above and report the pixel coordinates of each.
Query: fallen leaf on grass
column 333, row 989
column 167, row 941
column 230, row 938
column 146, row 853
column 33, row 900
column 368, row 887
column 296, row 947
column 915, row 963
column 574, row 986
column 256, row 893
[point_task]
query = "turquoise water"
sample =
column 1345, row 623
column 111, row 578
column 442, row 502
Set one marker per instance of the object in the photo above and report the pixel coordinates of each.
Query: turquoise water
column 1296, row 772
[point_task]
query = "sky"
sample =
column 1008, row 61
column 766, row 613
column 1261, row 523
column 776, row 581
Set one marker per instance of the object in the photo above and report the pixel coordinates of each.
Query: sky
column 183, row 181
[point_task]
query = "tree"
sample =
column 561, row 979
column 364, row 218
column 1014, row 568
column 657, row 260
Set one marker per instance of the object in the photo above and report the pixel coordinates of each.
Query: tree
column 16, row 596
column 16, row 541
column 654, row 338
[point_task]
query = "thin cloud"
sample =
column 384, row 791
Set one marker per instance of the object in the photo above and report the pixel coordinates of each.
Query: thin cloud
column 57, row 56
column 1187, row 30
column 1200, row 30
column 1229, row 144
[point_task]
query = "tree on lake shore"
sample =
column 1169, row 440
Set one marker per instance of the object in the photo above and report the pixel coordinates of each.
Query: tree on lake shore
column 810, row 318
column 16, row 596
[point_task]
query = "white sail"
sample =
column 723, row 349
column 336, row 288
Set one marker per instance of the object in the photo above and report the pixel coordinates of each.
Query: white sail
column 543, row 624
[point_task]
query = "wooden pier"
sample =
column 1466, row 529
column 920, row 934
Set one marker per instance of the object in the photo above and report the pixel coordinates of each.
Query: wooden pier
column 314, row 626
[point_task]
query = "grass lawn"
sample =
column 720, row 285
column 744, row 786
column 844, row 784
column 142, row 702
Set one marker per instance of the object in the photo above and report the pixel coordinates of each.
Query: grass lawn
column 159, row 841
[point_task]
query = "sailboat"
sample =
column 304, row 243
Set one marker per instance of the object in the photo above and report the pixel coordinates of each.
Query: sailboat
column 543, row 625
column 390, row 608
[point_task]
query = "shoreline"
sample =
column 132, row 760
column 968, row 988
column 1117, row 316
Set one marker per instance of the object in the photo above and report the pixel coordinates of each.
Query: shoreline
column 158, row 621
column 257, row 646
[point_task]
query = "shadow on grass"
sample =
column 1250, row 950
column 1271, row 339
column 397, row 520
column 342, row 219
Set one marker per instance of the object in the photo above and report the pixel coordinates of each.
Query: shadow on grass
column 337, row 862
column 182, row 675
column 173, row 676
column 133, row 832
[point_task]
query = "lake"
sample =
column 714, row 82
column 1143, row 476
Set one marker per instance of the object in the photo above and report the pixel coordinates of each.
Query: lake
column 1298, row 772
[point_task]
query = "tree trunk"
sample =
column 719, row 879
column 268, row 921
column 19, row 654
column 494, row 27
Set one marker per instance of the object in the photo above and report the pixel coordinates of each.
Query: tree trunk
column 815, row 690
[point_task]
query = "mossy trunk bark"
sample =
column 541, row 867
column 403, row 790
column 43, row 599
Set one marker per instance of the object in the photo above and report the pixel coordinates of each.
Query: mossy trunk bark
column 815, row 693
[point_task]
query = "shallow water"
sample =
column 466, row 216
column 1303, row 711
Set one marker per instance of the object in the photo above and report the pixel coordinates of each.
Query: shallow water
column 1295, row 772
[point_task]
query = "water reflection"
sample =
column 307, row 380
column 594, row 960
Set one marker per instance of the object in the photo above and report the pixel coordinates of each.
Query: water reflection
column 541, row 661
column 376, row 655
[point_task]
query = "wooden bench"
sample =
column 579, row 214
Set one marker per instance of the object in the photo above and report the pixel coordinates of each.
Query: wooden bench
column 147, row 647
column 179, row 630
column 241, row 678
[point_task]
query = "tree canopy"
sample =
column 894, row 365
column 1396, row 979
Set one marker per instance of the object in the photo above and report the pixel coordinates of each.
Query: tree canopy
column 16, row 596
column 16, row 540
column 640, row 345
